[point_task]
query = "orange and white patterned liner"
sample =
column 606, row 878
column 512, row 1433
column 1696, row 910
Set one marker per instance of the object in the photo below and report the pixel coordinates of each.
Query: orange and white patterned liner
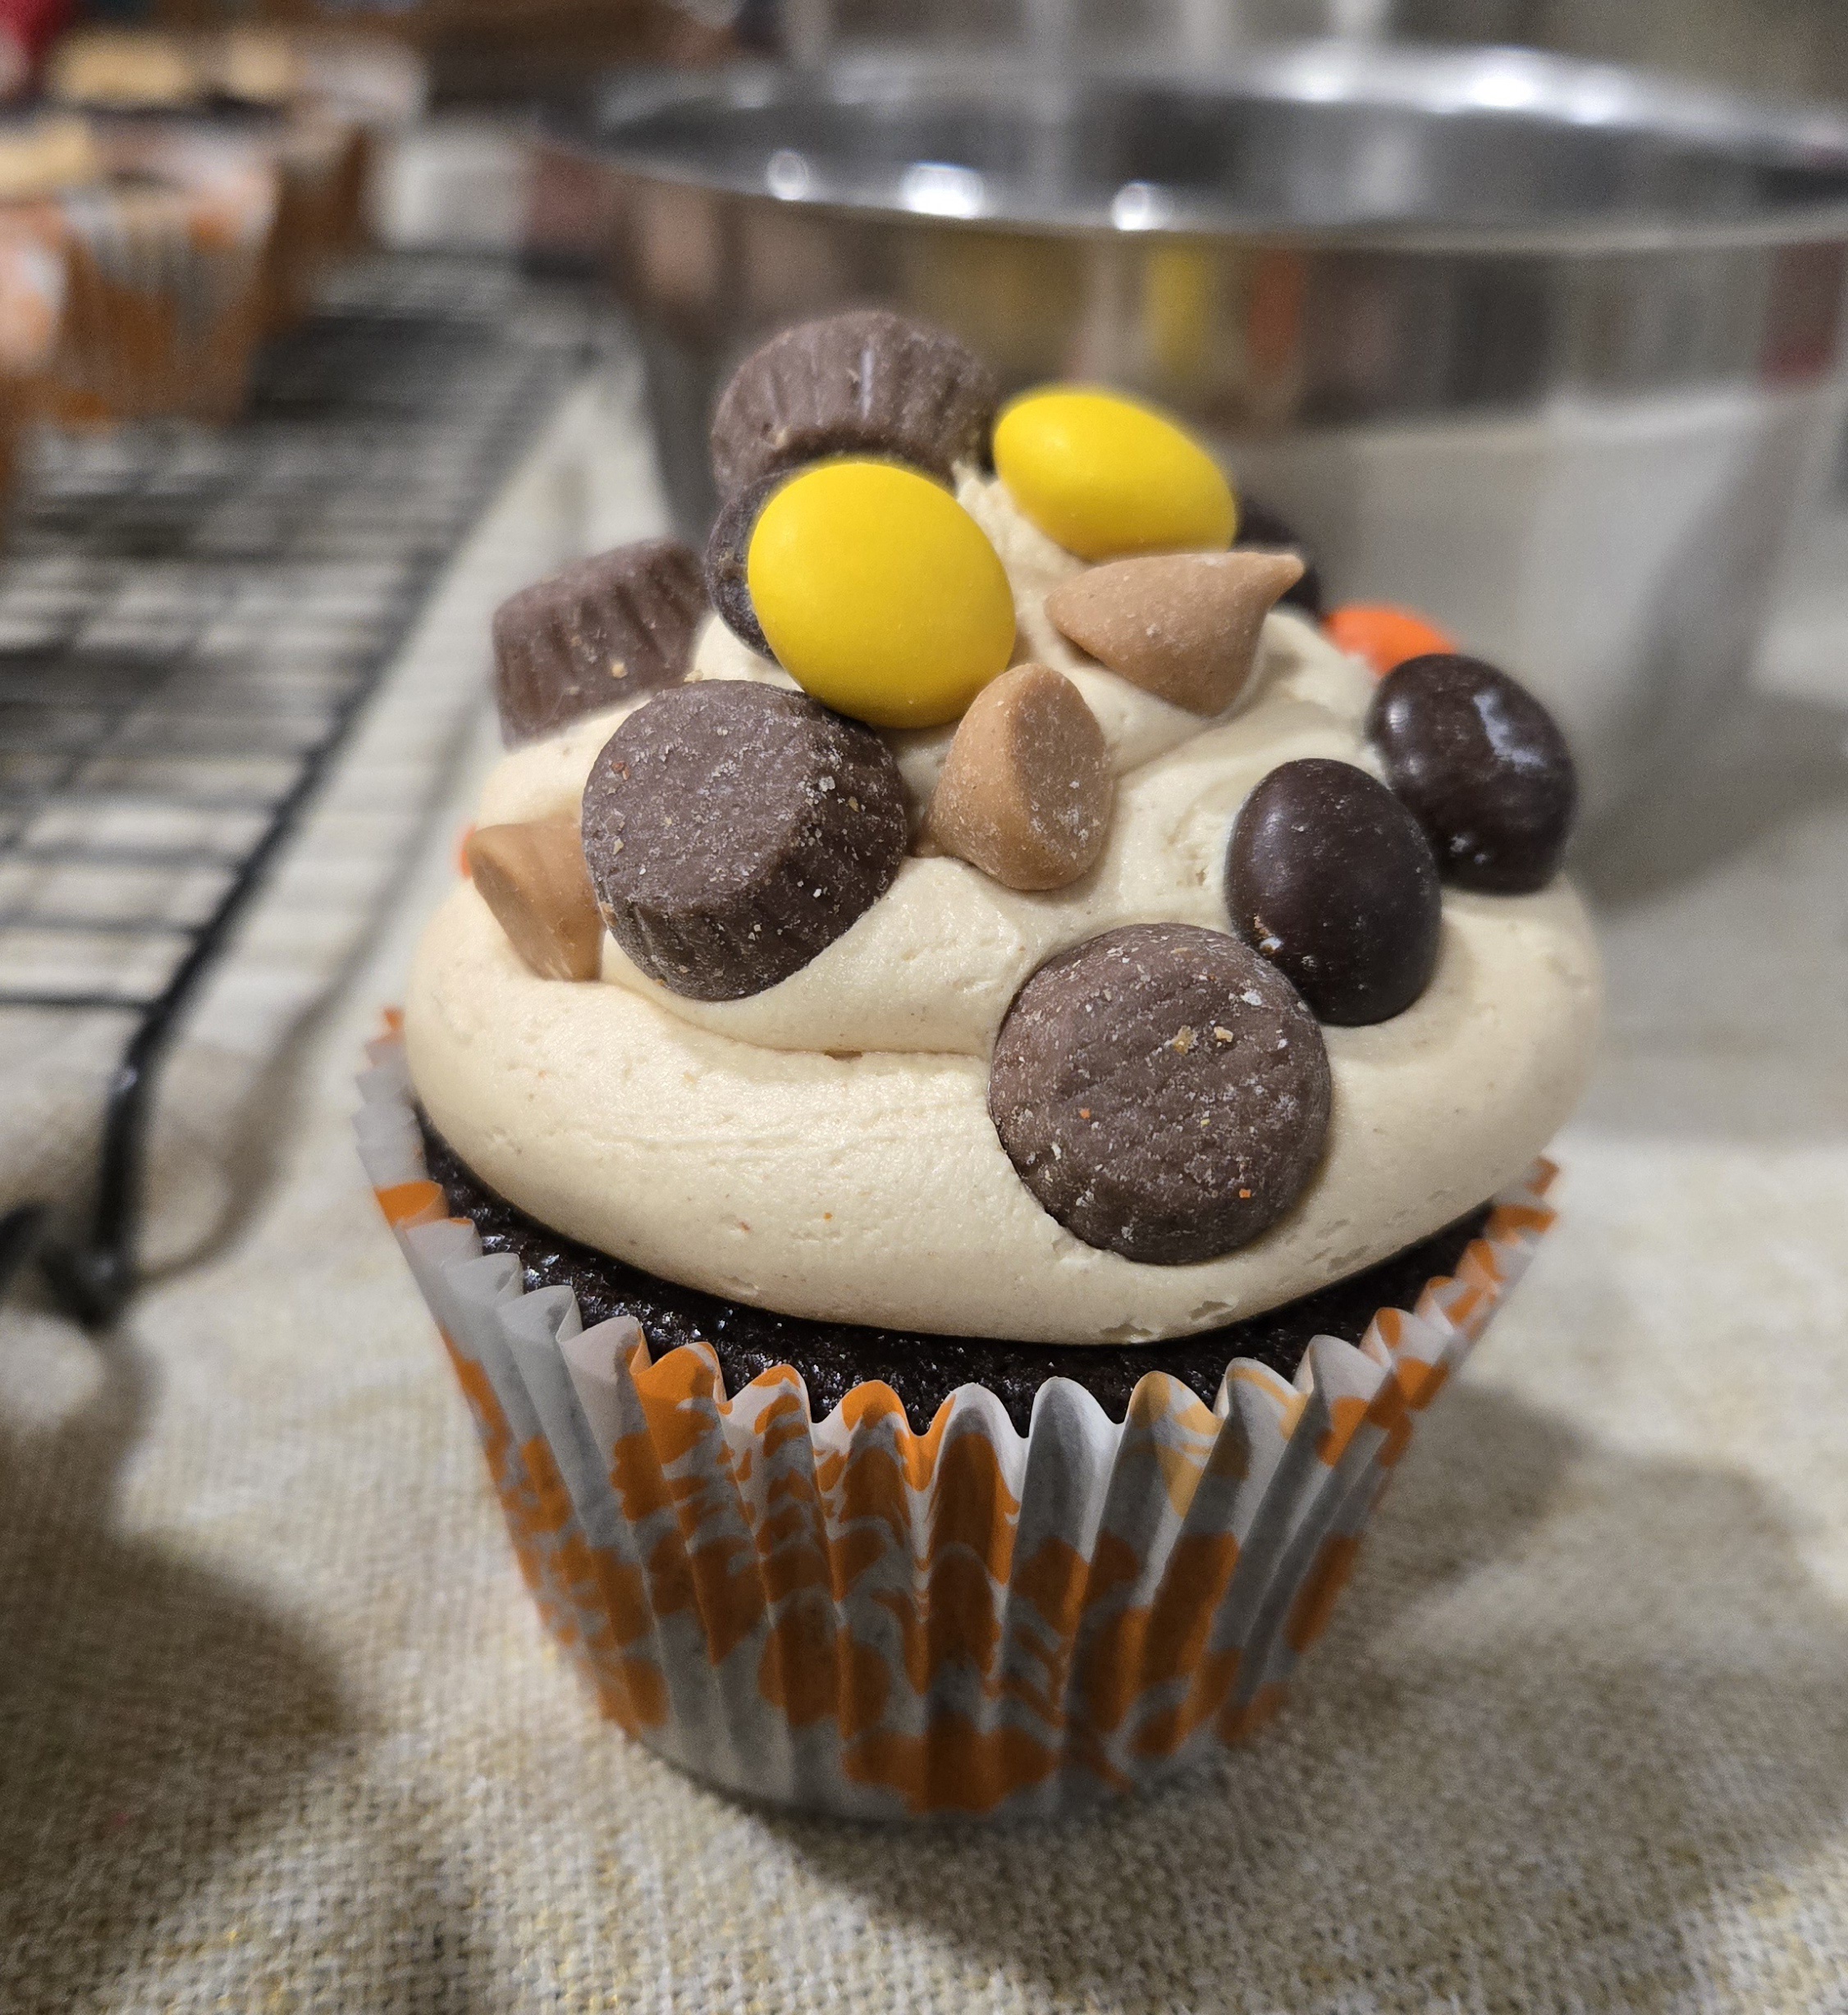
column 32, row 289
column 855, row 1618
column 164, row 274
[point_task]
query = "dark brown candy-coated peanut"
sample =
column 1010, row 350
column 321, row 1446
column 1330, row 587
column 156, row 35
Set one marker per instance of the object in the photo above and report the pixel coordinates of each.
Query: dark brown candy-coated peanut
column 734, row 830
column 595, row 634
column 1261, row 530
column 1481, row 765
column 1332, row 879
column 866, row 382
column 1162, row 1091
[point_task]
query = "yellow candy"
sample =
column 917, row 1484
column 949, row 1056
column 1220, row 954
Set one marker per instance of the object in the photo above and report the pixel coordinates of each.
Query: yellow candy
column 1106, row 477
column 880, row 594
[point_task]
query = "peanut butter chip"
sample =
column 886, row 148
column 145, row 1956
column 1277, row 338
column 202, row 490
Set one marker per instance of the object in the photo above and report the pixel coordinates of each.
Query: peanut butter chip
column 1183, row 626
column 1025, row 793
column 533, row 878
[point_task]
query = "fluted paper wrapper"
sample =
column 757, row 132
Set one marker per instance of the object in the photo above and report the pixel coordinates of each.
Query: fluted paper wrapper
column 164, row 280
column 304, row 163
column 855, row 1618
column 32, row 287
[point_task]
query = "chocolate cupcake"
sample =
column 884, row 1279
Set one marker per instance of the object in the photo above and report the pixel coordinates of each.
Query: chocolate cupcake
column 1006, row 1286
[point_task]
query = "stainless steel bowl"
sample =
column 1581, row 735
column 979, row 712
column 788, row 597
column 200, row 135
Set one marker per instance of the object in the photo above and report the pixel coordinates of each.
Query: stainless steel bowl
column 1544, row 349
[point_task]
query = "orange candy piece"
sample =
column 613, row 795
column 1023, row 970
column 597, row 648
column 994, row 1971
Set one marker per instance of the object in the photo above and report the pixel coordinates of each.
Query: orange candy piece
column 1384, row 636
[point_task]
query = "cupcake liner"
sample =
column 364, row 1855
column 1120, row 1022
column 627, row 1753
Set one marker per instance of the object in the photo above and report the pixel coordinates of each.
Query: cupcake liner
column 32, row 292
column 852, row 1617
column 165, row 279
column 32, row 289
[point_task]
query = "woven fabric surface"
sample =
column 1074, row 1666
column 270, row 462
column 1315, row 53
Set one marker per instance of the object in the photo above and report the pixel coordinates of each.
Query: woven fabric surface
column 279, row 1729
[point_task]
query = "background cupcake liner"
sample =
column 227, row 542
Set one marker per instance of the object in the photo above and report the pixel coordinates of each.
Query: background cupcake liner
column 32, row 289
column 855, row 1618
column 164, row 281
column 305, row 160
column 31, row 300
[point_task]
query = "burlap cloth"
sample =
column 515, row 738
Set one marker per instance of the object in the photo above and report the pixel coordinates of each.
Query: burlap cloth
column 278, row 1729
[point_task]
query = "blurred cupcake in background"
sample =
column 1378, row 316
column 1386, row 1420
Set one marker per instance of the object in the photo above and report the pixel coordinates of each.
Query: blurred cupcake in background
column 306, row 105
column 163, row 238
column 27, row 28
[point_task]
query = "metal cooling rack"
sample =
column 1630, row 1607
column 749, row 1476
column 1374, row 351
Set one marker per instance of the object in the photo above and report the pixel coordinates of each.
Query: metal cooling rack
column 190, row 622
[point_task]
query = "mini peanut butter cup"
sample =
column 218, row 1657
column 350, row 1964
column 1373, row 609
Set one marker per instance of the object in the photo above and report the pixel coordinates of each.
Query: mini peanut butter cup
column 1163, row 1092
column 866, row 382
column 728, row 549
column 604, row 630
column 733, row 831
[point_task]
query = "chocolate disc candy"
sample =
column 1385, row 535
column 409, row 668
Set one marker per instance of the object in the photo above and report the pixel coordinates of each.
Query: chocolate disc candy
column 1261, row 530
column 1332, row 879
column 533, row 877
column 1162, row 1091
column 1025, row 793
column 865, row 382
column 595, row 634
column 1183, row 626
column 1483, row 768
column 727, row 551
column 734, row 830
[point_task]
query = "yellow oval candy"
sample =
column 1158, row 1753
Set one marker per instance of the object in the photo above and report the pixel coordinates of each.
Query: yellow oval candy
column 1106, row 477
column 880, row 594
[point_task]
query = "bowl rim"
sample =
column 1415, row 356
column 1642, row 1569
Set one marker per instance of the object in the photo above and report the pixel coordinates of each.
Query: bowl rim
column 1794, row 135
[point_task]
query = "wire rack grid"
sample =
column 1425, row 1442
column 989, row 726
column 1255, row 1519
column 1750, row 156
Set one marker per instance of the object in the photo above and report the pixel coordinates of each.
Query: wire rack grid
column 190, row 622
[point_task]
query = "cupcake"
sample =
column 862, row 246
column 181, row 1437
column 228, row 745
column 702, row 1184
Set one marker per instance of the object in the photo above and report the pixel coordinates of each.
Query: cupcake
column 32, row 289
column 293, row 103
column 163, row 241
column 126, row 70
column 980, row 1075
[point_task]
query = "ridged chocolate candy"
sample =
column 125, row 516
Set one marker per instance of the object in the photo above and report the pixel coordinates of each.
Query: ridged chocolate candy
column 864, row 383
column 1482, row 766
column 728, row 549
column 1331, row 878
column 735, row 830
column 594, row 634
column 1162, row 1091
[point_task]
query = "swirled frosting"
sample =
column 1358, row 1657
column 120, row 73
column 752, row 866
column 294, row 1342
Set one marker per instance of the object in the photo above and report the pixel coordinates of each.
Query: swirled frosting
column 824, row 1148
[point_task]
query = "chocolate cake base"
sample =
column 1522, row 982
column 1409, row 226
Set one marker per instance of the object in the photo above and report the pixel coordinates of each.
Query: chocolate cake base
column 924, row 1370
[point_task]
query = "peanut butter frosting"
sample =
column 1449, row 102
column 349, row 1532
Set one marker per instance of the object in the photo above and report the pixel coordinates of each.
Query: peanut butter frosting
column 824, row 1147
